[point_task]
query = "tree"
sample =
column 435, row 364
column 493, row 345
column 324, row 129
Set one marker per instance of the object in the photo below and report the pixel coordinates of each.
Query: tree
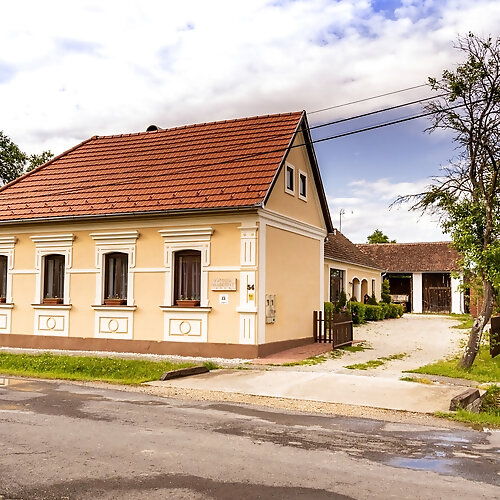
column 467, row 195
column 379, row 237
column 14, row 163
column 386, row 292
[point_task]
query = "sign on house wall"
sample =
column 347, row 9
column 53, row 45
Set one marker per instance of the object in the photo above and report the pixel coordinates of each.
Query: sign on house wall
column 224, row 284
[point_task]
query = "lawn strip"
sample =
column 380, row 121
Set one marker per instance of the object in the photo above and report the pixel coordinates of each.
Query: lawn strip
column 113, row 370
column 484, row 369
column 374, row 363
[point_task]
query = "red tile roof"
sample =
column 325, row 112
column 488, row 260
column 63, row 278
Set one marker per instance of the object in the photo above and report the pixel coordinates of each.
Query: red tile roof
column 342, row 249
column 413, row 257
column 227, row 164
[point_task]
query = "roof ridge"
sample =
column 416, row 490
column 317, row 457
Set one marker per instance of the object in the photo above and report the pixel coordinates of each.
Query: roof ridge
column 404, row 243
column 194, row 125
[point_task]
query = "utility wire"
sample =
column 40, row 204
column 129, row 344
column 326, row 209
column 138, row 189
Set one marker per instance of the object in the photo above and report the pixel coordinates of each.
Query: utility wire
column 367, row 99
column 194, row 168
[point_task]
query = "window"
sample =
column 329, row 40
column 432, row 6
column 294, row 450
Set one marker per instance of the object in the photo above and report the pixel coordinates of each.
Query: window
column 53, row 279
column 187, row 284
column 290, row 179
column 3, row 278
column 373, row 286
column 116, row 276
column 302, row 185
column 336, row 284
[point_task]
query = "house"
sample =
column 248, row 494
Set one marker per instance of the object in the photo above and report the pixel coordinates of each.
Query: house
column 350, row 270
column 198, row 240
column 421, row 275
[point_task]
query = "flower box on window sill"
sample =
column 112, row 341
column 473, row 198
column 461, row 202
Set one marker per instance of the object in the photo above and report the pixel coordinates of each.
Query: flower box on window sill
column 52, row 301
column 115, row 302
column 187, row 303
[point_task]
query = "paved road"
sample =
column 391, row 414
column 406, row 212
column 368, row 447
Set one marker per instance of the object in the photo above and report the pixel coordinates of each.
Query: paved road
column 72, row 441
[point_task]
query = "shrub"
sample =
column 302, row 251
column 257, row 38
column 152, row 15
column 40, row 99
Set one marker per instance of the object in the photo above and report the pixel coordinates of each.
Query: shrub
column 372, row 301
column 386, row 292
column 373, row 313
column 358, row 312
column 328, row 307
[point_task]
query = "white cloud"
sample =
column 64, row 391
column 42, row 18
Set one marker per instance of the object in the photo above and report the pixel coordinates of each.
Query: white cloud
column 367, row 209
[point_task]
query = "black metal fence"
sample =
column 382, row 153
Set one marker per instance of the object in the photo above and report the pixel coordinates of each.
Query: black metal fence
column 335, row 328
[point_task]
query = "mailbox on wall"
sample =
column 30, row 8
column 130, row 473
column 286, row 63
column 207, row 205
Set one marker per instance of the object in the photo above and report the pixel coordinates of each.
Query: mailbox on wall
column 270, row 308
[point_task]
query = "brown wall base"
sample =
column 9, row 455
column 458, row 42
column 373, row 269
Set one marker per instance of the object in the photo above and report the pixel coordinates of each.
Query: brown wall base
column 205, row 350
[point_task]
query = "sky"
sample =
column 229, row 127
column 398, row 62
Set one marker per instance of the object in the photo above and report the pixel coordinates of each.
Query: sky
column 71, row 70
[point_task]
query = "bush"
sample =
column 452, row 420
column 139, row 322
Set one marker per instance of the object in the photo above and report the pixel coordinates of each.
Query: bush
column 395, row 311
column 372, row 301
column 328, row 307
column 386, row 292
column 358, row 312
column 373, row 313
column 385, row 310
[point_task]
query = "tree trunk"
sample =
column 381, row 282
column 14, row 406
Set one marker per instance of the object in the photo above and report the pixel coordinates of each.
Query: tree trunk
column 480, row 322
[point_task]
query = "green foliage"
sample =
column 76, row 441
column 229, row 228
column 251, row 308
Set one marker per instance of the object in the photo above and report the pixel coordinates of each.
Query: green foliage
column 484, row 369
column 373, row 313
column 379, row 237
column 385, row 310
column 358, row 312
column 385, row 294
column 115, row 370
column 14, row 163
column 372, row 300
column 328, row 307
column 374, row 363
column 394, row 311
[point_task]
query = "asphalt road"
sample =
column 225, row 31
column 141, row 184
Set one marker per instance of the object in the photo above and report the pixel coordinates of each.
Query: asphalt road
column 73, row 441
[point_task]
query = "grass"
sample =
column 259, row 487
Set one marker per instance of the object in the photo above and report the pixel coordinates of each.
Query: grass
column 374, row 363
column 314, row 360
column 419, row 380
column 489, row 415
column 466, row 321
column 484, row 369
column 114, row 370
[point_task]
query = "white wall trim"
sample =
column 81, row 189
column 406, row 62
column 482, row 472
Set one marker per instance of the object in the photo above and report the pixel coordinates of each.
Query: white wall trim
column 189, row 238
column 52, row 244
column 292, row 225
column 261, row 296
column 285, row 171
column 116, row 238
column 303, row 198
column 457, row 299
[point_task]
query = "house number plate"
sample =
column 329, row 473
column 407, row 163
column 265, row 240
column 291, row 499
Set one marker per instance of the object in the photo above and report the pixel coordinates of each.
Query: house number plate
column 224, row 284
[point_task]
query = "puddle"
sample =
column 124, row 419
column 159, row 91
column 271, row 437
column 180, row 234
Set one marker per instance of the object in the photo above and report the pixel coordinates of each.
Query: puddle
column 426, row 463
column 452, row 439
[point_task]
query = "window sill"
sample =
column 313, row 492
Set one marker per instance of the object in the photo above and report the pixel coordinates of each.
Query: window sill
column 52, row 306
column 181, row 308
column 4, row 305
column 102, row 307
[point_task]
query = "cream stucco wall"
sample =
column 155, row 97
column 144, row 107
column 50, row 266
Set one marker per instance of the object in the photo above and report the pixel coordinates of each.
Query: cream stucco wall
column 282, row 202
column 293, row 274
column 148, row 277
column 352, row 271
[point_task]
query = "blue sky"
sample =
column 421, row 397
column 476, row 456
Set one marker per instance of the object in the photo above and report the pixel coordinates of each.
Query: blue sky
column 70, row 70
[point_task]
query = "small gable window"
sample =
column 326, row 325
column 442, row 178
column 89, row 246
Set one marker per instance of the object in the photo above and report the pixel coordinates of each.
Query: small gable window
column 53, row 279
column 302, row 185
column 115, row 278
column 290, row 179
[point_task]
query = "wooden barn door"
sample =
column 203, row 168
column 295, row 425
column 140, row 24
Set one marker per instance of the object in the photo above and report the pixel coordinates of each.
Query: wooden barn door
column 436, row 292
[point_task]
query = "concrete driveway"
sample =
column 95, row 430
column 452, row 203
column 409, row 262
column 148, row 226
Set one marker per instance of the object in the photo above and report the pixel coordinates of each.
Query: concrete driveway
column 422, row 339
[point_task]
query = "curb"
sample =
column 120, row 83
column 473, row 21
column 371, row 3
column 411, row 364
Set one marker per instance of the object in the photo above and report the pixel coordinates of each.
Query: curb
column 184, row 372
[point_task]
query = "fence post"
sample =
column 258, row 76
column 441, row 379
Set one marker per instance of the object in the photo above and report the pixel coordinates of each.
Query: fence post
column 315, row 325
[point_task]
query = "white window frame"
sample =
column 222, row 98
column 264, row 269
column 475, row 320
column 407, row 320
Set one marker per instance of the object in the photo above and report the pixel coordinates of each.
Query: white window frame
column 7, row 244
column 287, row 189
column 111, row 242
column 304, row 175
column 190, row 238
column 58, row 244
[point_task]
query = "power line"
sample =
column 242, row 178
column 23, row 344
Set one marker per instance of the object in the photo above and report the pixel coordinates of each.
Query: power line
column 367, row 99
column 242, row 158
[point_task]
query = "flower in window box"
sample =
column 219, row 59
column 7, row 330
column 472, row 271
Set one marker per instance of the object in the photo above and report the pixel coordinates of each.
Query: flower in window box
column 187, row 302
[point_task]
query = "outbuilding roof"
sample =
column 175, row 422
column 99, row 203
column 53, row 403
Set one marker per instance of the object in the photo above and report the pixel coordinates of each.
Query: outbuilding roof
column 219, row 165
column 342, row 249
column 413, row 257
